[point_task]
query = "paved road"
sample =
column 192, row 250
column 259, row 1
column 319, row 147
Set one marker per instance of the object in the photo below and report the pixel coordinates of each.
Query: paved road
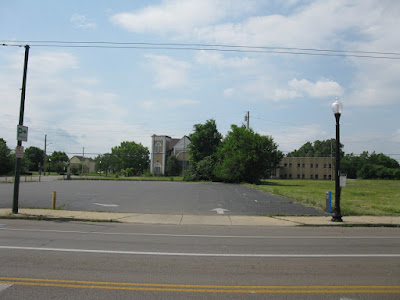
column 71, row 260
column 153, row 197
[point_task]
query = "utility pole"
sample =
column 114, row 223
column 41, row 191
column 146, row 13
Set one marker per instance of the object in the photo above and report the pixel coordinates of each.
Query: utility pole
column 247, row 119
column 19, row 144
column 45, row 158
column 83, row 158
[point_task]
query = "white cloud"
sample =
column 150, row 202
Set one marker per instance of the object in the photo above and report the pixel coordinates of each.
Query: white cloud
column 178, row 16
column 217, row 59
column 170, row 73
column 229, row 92
column 293, row 137
column 319, row 89
column 81, row 21
column 163, row 104
column 58, row 103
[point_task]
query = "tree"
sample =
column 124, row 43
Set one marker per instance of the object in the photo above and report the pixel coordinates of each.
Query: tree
column 172, row 167
column 246, row 156
column 131, row 155
column 34, row 157
column 59, row 156
column 317, row 149
column 204, row 141
column 6, row 158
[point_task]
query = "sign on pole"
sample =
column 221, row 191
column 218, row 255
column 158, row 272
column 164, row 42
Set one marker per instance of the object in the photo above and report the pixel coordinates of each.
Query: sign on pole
column 19, row 152
column 343, row 178
column 22, row 133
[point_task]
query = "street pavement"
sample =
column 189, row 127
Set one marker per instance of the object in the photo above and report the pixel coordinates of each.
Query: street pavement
column 90, row 260
column 150, row 197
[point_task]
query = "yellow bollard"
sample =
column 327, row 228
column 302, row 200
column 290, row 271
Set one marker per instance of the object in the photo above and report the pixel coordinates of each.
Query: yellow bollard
column 54, row 200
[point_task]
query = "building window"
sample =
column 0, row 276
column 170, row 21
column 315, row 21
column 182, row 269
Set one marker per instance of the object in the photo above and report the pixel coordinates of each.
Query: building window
column 316, row 176
column 316, row 166
column 324, row 166
column 285, row 165
column 158, row 147
column 311, row 176
column 290, row 165
column 290, row 176
column 303, row 176
column 324, row 176
column 312, row 166
column 330, row 177
column 304, row 165
column 298, row 176
column 298, row 165
column 330, row 166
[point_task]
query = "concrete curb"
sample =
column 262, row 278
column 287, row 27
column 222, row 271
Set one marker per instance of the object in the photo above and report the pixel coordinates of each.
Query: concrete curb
column 180, row 219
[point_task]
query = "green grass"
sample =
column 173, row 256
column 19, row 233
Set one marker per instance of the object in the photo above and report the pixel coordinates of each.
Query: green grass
column 359, row 197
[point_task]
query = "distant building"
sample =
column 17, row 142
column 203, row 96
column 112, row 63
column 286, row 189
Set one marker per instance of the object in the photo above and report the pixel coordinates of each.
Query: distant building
column 162, row 147
column 306, row 168
column 89, row 165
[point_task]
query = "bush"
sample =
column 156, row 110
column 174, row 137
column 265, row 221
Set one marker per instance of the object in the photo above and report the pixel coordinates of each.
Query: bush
column 205, row 168
column 190, row 174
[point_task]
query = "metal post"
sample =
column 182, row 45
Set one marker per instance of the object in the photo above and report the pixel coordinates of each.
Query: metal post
column 337, row 215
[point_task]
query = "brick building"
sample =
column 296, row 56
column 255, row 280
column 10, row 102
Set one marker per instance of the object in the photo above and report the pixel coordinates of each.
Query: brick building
column 306, row 168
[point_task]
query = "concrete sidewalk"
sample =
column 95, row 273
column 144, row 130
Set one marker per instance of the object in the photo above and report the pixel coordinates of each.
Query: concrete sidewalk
column 179, row 219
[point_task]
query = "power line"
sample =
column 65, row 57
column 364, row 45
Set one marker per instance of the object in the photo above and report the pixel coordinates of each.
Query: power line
column 209, row 47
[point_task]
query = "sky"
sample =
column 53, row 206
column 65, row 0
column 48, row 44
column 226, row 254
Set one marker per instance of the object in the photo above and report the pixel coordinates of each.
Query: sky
column 140, row 80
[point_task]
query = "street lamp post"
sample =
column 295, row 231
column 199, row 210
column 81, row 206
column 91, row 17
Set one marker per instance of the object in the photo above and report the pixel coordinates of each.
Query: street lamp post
column 49, row 165
column 100, row 167
column 337, row 108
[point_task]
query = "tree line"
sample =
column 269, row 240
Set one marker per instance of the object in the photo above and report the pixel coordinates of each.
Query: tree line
column 241, row 156
column 365, row 165
column 33, row 160
column 128, row 159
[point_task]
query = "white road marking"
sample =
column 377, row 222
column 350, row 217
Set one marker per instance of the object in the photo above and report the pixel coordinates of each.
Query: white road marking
column 220, row 211
column 200, row 254
column 4, row 286
column 106, row 205
column 205, row 235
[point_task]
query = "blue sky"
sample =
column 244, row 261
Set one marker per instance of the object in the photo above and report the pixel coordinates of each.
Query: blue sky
column 98, row 97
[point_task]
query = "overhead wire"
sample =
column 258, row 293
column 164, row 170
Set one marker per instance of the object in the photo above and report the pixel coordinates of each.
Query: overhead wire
column 208, row 47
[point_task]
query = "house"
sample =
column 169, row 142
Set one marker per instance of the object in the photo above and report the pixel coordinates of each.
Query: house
column 89, row 165
column 306, row 168
column 162, row 147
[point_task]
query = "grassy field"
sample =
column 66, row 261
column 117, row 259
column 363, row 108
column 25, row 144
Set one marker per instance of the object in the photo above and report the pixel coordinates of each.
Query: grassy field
column 359, row 197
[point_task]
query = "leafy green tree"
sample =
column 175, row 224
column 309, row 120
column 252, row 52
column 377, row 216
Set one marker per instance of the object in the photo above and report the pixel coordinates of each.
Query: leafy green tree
column 59, row 156
column 246, row 156
column 34, row 157
column 172, row 167
column 319, row 148
column 131, row 155
column 6, row 158
column 204, row 141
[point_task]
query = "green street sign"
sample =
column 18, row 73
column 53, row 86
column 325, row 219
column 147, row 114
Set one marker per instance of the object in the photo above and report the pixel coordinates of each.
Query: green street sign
column 22, row 133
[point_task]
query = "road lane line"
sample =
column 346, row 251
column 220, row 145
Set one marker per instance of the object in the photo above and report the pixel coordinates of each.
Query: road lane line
column 203, row 235
column 225, row 289
column 199, row 286
column 97, row 251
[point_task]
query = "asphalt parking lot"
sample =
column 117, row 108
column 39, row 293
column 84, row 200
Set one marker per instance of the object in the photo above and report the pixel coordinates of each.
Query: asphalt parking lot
column 153, row 197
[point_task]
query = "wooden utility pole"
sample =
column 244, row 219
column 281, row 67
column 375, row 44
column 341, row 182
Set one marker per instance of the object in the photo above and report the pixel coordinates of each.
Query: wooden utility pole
column 247, row 119
column 19, row 144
